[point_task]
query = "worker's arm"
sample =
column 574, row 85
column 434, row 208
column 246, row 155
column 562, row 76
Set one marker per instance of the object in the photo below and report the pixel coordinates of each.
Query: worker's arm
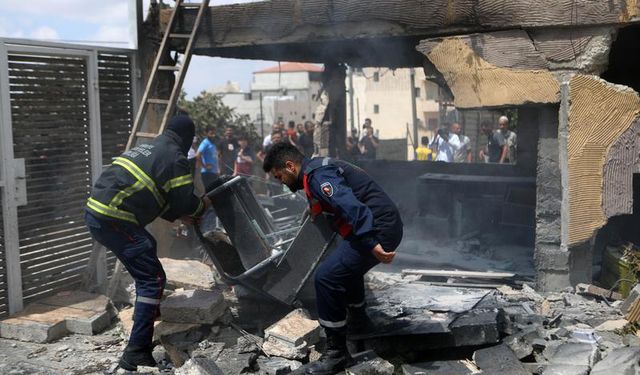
column 504, row 146
column 328, row 185
column 180, row 192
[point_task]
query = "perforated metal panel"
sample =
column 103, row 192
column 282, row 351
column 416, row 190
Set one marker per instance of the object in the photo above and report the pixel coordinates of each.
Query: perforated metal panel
column 50, row 116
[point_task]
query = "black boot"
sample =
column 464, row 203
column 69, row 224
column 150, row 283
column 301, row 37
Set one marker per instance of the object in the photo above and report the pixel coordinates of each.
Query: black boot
column 135, row 356
column 358, row 322
column 335, row 356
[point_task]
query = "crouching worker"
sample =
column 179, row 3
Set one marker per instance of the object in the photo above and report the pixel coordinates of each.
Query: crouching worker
column 148, row 181
column 364, row 215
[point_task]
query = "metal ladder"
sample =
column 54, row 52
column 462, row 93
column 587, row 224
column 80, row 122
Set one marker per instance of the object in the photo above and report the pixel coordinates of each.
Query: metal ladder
column 169, row 103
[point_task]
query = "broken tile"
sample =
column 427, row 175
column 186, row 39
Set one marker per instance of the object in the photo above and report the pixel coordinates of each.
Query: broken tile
column 459, row 367
column 187, row 274
column 231, row 362
column 193, row 306
column 622, row 361
column 576, row 354
column 498, row 360
column 199, row 366
column 295, row 328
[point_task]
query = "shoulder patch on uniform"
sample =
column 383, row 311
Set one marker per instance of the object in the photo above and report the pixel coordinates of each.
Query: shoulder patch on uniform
column 327, row 189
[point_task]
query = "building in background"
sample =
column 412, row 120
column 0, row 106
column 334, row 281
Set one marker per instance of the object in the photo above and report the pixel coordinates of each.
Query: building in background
column 286, row 92
column 384, row 96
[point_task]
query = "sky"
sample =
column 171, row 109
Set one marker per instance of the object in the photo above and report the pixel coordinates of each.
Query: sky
column 106, row 22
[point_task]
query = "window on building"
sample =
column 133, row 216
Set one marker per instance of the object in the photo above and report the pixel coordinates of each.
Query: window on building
column 417, row 90
column 432, row 123
column 376, row 108
column 376, row 77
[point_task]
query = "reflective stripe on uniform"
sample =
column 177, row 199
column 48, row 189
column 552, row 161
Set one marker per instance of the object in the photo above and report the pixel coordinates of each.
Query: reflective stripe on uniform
column 122, row 194
column 113, row 212
column 200, row 207
column 147, row 300
column 328, row 324
column 356, row 305
column 177, row 182
column 140, row 176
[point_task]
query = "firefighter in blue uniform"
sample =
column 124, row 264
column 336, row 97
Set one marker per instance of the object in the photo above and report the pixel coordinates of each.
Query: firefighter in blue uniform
column 148, row 181
column 369, row 222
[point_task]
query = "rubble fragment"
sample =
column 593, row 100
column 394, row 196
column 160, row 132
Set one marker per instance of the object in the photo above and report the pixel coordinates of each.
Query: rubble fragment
column 295, row 328
column 622, row 361
column 576, row 354
column 460, row 367
column 498, row 359
column 631, row 306
column 187, row 274
column 199, row 366
column 375, row 366
column 193, row 306
column 277, row 366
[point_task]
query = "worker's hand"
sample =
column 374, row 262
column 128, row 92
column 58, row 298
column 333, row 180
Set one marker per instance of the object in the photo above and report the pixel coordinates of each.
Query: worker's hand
column 381, row 255
column 207, row 202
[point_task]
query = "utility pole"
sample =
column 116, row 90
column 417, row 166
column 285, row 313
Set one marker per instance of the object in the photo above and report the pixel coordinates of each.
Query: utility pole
column 414, row 111
column 353, row 126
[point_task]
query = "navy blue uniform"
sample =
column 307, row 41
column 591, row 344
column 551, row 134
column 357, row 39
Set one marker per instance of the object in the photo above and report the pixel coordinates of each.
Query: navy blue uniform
column 352, row 198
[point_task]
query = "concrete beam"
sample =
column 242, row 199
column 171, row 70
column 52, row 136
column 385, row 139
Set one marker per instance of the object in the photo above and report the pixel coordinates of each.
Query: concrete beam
column 348, row 31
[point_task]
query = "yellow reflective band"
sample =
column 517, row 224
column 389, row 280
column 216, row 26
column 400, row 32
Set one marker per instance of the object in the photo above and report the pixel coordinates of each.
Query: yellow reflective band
column 122, row 194
column 177, row 182
column 140, row 176
column 110, row 211
column 200, row 207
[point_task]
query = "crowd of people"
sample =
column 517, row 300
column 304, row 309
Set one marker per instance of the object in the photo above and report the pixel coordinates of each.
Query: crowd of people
column 450, row 145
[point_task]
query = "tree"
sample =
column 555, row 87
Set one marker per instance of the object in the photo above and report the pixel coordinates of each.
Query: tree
column 207, row 109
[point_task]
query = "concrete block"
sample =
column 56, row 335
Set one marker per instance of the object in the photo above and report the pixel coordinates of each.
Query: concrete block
column 277, row 366
column 187, row 274
column 295, row 328
column 175, row 331
column 566, row 370
column 32, row 331
column 621, row 361
column 231, row 362
column 476, row 327
column 440, row 368
column 89, row 325
column 77, row 299
column 576, row 354
column 375, row 366
column 631, row 305
column 199, row 366
column 193, row 306
column 278, row 348
column 612, row 325
column 499, row 360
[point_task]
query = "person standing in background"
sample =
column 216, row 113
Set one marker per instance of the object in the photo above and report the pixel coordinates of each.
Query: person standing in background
column 462, row 154
column 369, row 144
column 228, row 148
column 244, row 159
column 207, row 158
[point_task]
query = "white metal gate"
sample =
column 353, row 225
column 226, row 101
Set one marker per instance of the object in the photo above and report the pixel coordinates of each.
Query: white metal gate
column 51, row 149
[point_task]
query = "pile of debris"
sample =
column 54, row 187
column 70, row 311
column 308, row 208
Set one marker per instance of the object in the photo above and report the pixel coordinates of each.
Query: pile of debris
column 419, row 328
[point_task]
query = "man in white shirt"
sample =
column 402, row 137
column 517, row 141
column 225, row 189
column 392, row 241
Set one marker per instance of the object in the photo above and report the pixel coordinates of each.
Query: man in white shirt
column 275, row 128
column 463, row 154
column 447, row 145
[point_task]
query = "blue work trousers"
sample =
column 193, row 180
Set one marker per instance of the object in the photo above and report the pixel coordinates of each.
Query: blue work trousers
column 339, row 280
column 136, row 249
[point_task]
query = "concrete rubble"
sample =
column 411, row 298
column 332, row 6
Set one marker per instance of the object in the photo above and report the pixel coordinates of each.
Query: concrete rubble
column 508, row 330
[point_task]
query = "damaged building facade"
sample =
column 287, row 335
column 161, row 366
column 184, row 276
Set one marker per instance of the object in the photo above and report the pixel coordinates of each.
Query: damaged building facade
column 566, row 66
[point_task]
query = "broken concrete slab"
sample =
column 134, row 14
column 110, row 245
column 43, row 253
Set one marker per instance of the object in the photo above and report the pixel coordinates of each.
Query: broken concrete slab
column 612, row 325
column 278, row 348
column 231, row 362
column 499, row 359
column 295, row 329
column 622, row 361
column 631, row 306
column 556, row 369
column 193, row 306
column 175, row 331
column 44, row 322
column 187, row 274
column 576, row 354
column 199, row 366
column 277, row 366
column 476, row 327
column 460, row 367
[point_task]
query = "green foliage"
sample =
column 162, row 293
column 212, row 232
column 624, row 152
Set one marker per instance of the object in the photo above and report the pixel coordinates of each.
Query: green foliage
column 208, row 109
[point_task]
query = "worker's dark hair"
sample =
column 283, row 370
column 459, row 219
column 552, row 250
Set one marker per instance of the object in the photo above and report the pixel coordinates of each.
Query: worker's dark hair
column 209, row 128
column 279, row 154
column 424, row 141
column 291, row 124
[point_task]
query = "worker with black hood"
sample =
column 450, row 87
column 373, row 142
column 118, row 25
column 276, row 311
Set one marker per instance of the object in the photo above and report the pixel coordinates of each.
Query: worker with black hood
column 149, row 180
